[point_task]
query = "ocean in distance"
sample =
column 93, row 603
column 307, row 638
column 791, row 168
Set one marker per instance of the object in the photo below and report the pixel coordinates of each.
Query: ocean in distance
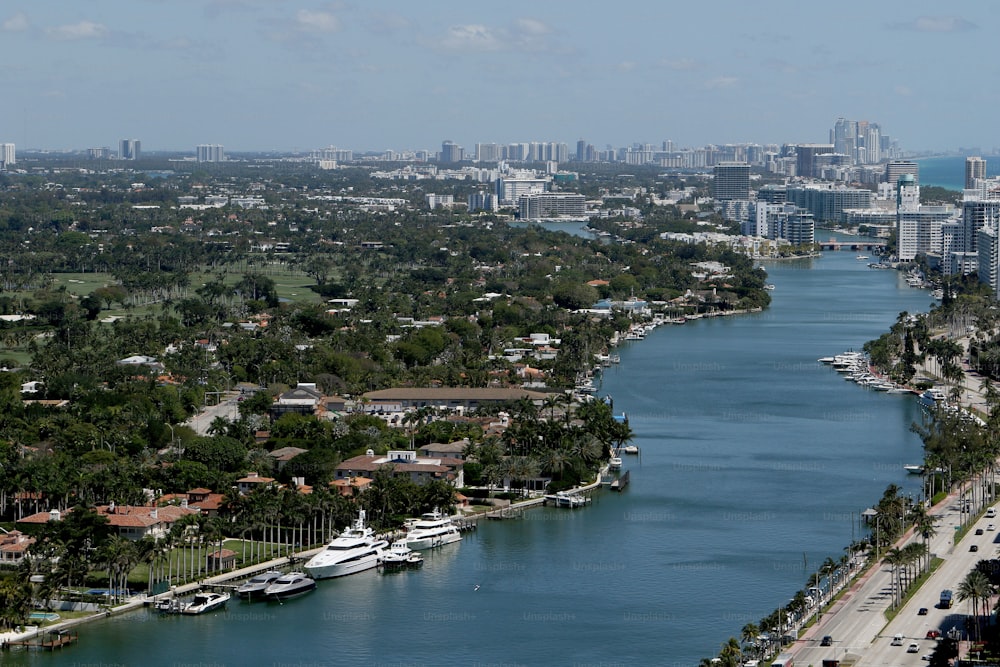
column 755, row 461
column 949, row 172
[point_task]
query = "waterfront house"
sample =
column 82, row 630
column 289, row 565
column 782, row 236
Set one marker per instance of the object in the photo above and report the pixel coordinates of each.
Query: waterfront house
column 13, row 546
column 131, row 521
column 350, row 486
column 405, row 463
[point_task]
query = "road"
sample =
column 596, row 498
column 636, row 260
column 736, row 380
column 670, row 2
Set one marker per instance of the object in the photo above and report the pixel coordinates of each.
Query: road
column 857, row 624
column 228, row 409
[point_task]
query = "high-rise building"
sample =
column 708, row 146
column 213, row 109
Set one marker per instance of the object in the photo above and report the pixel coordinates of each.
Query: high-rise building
column 128, row 149
column 805, row 158
column 542, row 205
column 896, row 168
column 451, row 152
column 581, row 150
column 8, row 156
column 489, row 152
column 975, row 167
column 732, row 181
column 210, row 153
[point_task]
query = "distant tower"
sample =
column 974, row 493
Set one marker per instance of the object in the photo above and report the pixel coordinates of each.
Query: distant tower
column 128, row 149
column 7, row 156
column 210, row 153
column 732, row 181
column 896, row 168
column 975, row 167
column 451, row 152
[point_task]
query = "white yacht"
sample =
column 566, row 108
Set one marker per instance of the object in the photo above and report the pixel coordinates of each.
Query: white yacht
column 399, row 556
column 615, row 463
column 204, row 602
column 290, row 585
column 256, row 585
column 355, row 550
column 432, row 530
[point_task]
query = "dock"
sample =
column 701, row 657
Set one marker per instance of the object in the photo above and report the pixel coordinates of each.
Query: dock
column 620, row 482
column 48, row 641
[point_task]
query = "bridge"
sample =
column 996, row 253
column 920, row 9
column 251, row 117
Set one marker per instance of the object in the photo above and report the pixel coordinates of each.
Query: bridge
column 875, row 247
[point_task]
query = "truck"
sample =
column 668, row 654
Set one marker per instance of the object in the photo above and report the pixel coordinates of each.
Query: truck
column 783, row 660
column 945, row 599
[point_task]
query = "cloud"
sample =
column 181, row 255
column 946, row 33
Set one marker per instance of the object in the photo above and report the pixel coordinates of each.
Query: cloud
column 681, row 65
column 318, row 21
column 936, row 24
column 721, row 82
column 523, row 34
column 16, row 23
column 80, row 30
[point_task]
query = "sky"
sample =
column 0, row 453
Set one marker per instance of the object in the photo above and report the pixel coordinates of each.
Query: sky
column 286, row 75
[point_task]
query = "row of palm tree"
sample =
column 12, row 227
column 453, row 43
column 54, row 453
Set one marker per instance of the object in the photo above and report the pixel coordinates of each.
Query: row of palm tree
column 906, row 563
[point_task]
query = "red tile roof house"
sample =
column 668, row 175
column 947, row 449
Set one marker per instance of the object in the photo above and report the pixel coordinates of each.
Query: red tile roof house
column 13, row 545
column 350, row 486
column 405, row 463
column 204, row 500
column 253, row 481
column 131, row 521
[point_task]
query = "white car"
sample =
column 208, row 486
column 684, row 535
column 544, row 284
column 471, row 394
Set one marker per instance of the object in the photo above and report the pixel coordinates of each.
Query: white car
column 991, row 513
column 912, row 648
column 897, row 641
column 990, row 526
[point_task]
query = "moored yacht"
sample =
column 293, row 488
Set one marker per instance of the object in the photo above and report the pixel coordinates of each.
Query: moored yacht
column 257, row 584
column 355, row 550
column 290, row 585
column 398, row 555
column 432, row 530
column 204, row 602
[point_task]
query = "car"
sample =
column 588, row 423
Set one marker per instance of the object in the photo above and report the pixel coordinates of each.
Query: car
column 991, row 513
column 933, row 634
column 973, row 547
column 922, row 611
column 827, row 641
column 897, row 640
column 979, row 531
column 990, row 526
column 912, row 648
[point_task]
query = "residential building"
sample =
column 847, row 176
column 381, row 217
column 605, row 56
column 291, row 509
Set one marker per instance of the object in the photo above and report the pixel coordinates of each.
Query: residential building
column 450, row 152
column 510, row 188
column 434, row 201
column 896, row 168
column 805, row 158
column 826, row 202
column 210, row 153
column 483, row 201
column 404, row 463
column 545, row 205
column 458, row 399
column 732, row 181
column 8, row 157
column 129, row 149
column 975, row 167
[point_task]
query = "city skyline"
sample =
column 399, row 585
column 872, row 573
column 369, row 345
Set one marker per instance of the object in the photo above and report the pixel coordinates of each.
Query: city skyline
column 256, row 75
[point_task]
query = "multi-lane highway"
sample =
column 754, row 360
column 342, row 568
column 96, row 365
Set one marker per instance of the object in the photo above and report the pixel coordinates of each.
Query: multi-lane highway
column 857, row 625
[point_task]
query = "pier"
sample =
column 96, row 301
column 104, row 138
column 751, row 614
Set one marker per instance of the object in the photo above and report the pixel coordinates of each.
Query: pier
column 48, row 641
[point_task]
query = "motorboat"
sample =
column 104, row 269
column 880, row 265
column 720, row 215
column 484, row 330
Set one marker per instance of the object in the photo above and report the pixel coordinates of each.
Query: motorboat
column 932, row 397
column 290, row 585
column 564, row 499
column 432, row 529
column 631, row 449
column 355, row 550
column 615, row 463
column 257, row 584
column 398, row 555
column 204, row 602
column 914, row 469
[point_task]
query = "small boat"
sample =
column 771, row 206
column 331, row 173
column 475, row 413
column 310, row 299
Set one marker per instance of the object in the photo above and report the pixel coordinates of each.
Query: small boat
column 169, row 605
column 398, row 556
column 631, row 449
column 564, row 499
column 825, row 360
column 257, row 584
column 432, row 529
column 769, row 287
column 914, row 470
column 290, row 585
column 861, row 257
column 204, row 602
column 615, row 463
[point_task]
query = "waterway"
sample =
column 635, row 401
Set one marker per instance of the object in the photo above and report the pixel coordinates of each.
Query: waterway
column 755, row 462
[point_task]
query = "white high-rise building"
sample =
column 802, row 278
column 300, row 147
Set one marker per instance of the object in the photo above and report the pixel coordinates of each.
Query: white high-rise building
column 7, row 156
column 210, row 153
column 128, row 149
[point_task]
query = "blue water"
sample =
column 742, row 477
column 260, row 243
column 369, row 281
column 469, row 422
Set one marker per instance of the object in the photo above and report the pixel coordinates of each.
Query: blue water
column 949, row 172
column 755, row 462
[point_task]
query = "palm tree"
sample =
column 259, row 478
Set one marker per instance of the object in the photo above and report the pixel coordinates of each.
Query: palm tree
column 976, row 587
column 749, row 635
column 895, row 559
column 731, row 654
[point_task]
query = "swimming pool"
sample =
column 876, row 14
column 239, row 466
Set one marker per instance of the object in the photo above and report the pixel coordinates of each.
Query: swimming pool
column 43, row 616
